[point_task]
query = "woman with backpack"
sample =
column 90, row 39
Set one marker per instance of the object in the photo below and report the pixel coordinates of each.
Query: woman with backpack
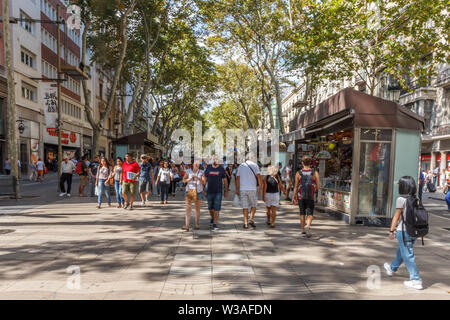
column 271, row 196
column 306, row 184
column 102, row 182
column 405, row 252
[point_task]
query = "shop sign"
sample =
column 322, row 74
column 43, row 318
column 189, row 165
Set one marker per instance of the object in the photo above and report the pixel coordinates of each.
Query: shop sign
column 425, row 158
column 68, row 138
column 50, row 102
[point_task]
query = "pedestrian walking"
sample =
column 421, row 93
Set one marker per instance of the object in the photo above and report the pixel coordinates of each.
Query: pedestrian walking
column 67, row 169
column 102, row 182
column 40, row 169
column 155, row 174
column 248, row 181
column 164, row 178
column 145, row 179
column 92, row 169
column 435, row 176
column 405, row 251
column 7, row 166
column 216, row 178
column 130, row 174
column 229, row 173
column 286, row 175
column 447, row 193
column 194, row 193
column 271, row 195
column 83, row 171
column 117, row 185
column 443, row 178
column 306, row 185
column 175, row 180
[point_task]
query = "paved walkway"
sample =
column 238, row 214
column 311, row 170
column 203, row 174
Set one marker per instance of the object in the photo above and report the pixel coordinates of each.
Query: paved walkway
column 143, row 254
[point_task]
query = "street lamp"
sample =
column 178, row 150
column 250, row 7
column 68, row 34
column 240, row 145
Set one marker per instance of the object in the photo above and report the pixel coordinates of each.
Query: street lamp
column 21, row 126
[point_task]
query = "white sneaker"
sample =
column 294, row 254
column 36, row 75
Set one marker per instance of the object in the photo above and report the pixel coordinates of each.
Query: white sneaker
column 308, row 234
column 68, row 194
column 62, row 194
column 388, row 269
column 413, row 284
column 143, row 203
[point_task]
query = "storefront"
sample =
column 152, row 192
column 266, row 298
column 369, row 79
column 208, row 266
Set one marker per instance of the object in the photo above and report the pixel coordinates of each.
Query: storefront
column 361, row 145
column 70, row 141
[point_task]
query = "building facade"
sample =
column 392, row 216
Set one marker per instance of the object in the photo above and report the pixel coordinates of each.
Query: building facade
column 35, row 61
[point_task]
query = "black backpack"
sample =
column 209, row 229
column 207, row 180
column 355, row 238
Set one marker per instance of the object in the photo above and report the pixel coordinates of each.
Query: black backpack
column 307, row 186
column 431, row 187
column 416, row 221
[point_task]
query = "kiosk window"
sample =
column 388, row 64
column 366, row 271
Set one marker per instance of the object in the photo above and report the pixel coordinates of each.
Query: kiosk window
column 374, row 178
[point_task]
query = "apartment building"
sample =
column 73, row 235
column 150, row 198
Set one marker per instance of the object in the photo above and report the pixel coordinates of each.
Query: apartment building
column 35, row 60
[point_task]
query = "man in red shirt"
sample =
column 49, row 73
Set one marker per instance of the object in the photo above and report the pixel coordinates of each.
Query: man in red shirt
column 130, row 174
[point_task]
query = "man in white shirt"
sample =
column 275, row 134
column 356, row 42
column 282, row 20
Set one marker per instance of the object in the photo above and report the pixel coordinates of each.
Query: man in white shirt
column 67, row 169
column 248, row 181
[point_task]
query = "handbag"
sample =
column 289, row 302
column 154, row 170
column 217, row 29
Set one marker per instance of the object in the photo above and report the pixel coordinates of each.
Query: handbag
column 192, row 195
column 445, row 189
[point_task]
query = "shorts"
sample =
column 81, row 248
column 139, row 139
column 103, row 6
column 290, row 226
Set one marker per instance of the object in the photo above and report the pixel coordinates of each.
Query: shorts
column 272, row 199
column 83, row 181
column 145, row 186
column 128, row 187
column 214, row 201
column 306, row 207
column 249, row 199
column 199, row 195
column 40, row 172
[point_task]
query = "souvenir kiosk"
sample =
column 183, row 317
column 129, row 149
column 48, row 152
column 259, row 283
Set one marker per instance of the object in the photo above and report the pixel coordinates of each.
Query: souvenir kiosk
column 361, row 145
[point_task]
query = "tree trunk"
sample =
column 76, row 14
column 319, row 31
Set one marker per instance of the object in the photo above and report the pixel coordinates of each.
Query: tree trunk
column 278, row 99
column 12, row 144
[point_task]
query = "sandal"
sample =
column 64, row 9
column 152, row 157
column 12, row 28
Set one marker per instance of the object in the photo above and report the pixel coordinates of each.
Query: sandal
column 268, row 223
column 197, row 228
column 252, row 223
column 185, row 228
column 272, row 226
column 245, row 227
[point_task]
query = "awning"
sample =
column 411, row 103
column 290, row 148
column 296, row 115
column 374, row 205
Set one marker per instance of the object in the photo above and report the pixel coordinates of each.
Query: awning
column 139, row 139
column 367, row 111
column 294, row 135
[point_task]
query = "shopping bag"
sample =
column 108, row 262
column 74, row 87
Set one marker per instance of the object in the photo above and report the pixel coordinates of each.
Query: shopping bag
column 96, row 190
column 236, row 201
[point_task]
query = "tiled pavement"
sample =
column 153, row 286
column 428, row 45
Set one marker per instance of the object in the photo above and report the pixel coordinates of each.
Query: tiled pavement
column 143, row 254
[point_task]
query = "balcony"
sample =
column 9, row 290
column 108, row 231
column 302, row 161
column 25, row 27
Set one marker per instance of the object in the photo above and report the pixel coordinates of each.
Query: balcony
column 443, row 79
column 416, row 95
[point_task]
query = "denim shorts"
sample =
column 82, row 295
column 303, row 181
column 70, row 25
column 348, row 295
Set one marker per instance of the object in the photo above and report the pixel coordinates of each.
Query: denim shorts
column 214, row 201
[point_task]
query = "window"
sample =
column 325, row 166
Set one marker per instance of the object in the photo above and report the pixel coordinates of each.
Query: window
column 48, row 9
column 48, row 40
column 28, row 58
column 29, row 92
column 71, row 109
column 49, row 71
column 27, row 25
column 101, row 91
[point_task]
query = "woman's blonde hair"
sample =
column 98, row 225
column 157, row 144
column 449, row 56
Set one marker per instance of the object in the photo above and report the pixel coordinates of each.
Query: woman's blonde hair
column 272, row 170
